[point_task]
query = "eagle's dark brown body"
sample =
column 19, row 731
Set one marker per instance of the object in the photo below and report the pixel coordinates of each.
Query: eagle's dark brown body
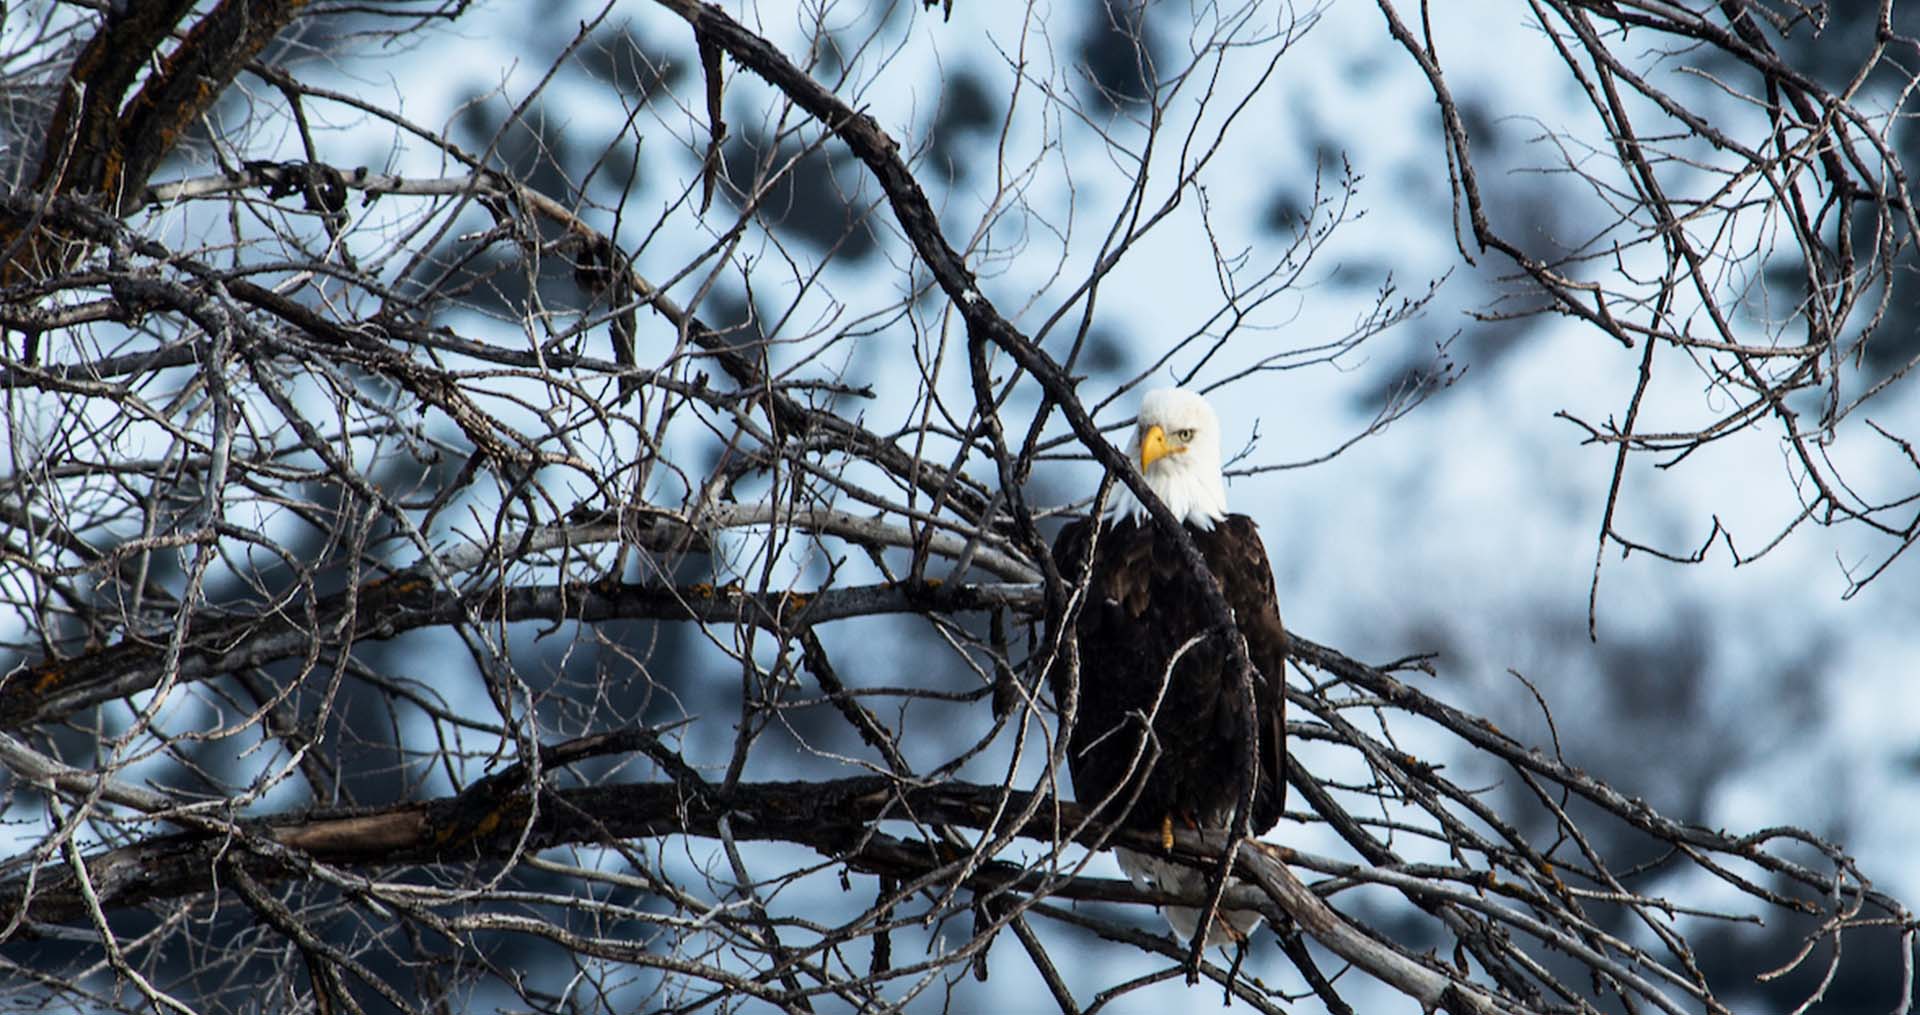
column 1142, row 605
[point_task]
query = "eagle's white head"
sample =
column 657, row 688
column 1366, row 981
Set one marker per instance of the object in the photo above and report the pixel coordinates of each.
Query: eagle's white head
column 1176, row 445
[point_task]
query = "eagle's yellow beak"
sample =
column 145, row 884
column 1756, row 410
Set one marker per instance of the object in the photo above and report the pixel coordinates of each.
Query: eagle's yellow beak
column 1154, row 446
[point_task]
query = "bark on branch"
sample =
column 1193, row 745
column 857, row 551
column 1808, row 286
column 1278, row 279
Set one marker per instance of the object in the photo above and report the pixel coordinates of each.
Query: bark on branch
column 385, row 609
column 496, row 818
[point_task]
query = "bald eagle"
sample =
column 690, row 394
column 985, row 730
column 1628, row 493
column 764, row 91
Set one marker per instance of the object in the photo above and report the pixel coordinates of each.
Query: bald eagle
column 1161, row 737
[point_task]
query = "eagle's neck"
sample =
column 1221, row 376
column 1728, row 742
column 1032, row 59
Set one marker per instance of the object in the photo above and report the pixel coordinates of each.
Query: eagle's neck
column 1196, row 494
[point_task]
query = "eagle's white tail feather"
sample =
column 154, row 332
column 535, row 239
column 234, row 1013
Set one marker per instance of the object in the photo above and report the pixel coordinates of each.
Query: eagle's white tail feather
column 1151, row 872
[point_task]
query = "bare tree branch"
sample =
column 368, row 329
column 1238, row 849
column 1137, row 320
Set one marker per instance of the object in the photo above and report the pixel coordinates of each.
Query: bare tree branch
column 375, row 637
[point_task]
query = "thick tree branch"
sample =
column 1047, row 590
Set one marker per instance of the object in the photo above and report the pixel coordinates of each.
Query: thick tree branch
column 494, row 820
column 387, row 608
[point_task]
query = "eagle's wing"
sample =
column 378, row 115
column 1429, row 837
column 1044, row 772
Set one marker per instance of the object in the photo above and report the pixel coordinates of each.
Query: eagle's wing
column 1246, row 578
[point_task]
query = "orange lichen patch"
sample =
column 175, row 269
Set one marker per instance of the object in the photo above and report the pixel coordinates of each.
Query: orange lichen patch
column 397, row 585
column 49, row 678
column 700, row 590
column 1414, row 764
column 499, row 817
column 485, row 826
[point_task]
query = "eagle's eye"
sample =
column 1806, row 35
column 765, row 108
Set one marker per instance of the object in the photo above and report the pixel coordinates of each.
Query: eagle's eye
column 1184, row 436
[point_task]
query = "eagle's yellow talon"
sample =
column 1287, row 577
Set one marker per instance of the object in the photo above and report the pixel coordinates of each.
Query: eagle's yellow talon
column 1166, row 833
